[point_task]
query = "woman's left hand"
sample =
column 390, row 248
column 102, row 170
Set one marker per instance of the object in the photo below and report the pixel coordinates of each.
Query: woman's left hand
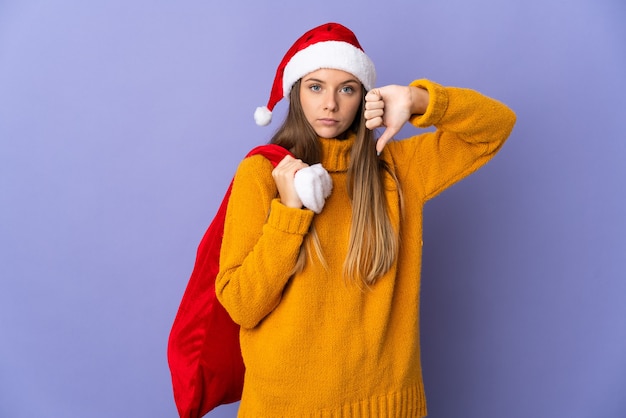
column 392, row 106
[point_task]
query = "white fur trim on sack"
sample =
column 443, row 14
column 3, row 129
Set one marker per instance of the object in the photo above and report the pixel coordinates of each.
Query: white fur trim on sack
column 313, row 185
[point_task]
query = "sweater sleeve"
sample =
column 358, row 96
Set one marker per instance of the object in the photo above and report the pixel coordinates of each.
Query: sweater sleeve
column 471, row 129
column 261, row 243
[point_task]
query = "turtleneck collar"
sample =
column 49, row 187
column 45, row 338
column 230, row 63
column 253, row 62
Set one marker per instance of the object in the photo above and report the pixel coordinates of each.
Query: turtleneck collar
column 336, row 153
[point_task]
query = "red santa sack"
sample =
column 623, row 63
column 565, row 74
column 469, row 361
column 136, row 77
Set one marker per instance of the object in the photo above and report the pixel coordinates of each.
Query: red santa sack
column 203, row 349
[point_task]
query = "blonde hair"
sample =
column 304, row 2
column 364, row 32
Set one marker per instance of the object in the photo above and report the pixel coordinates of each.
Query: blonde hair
column 373, row 243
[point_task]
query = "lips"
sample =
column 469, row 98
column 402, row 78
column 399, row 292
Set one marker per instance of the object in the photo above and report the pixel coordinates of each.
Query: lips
column 328, row 121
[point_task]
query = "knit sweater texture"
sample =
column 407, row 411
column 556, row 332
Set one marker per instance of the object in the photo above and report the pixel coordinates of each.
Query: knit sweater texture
column 318, row 345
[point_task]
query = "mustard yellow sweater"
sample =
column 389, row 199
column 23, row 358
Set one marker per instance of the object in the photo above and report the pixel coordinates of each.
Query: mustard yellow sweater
column 315, row 345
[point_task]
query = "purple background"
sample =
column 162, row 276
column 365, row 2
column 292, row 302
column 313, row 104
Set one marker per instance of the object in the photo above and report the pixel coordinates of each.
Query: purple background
column 121, row 123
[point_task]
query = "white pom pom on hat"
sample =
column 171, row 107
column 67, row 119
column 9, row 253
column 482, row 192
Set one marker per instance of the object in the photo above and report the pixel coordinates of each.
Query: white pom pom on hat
column 262, row 116
column 330, row 45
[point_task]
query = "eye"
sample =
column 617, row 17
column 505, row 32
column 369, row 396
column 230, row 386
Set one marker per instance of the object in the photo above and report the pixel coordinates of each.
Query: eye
column 315, row 87
column 347, row 89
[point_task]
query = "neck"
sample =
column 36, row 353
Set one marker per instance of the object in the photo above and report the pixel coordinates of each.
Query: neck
column 336, row 152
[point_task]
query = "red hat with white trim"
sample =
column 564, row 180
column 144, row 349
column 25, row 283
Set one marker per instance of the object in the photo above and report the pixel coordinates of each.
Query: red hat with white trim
column 330, row 45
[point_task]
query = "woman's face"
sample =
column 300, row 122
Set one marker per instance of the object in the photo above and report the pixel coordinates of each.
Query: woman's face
column 330, row 100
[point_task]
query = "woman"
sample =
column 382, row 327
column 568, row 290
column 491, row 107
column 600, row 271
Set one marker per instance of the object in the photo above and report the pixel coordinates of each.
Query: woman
column 328, row 299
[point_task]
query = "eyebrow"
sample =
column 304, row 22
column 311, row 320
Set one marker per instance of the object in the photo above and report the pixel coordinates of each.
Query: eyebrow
column 317, row 80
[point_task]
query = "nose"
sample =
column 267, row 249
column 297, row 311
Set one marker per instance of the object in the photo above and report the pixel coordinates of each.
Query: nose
column 330, row 102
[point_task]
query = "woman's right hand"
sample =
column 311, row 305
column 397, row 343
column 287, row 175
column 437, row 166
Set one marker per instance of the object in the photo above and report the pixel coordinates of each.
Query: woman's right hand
column 283, row 175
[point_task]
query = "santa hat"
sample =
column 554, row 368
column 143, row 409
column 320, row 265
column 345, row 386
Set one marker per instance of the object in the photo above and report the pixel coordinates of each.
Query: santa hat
column 327, row 46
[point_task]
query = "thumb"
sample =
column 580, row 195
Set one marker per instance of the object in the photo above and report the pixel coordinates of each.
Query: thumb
column 386, row 136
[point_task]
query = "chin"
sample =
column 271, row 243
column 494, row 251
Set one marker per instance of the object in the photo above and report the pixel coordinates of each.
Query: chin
column 329, row 133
